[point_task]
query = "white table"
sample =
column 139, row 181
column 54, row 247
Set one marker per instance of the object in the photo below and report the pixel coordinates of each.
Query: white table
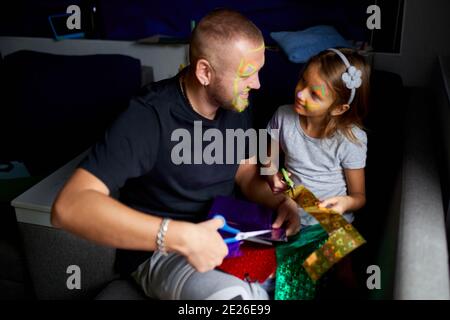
column 34, row 205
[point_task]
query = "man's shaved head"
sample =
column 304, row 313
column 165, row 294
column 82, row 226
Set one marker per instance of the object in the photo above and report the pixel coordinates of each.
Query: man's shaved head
column 213, row 35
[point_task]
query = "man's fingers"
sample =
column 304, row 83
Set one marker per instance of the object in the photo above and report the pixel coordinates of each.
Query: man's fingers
column 214, row 224
column 293, row 227
column 279, row 220
column 292, row 230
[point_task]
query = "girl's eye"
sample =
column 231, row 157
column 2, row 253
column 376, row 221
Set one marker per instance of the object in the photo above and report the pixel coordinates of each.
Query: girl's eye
column 315, row 96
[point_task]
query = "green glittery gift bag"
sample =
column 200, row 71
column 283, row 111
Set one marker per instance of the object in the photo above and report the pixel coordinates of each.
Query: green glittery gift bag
column 292, row 280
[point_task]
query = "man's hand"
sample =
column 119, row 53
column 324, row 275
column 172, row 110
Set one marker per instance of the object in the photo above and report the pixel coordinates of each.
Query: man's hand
column 202, row 245
column 288, row 215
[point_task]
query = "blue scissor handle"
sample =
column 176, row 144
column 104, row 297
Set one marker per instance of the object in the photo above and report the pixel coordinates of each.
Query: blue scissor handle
column 230, row 240
column 226, row 227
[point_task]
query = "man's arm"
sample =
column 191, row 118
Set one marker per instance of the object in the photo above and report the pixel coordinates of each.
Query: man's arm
column 85, row 208
column 256, row 189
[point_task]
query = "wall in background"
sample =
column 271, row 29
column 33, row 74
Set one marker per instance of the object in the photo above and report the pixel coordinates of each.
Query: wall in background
column 426, row 30
column 164, row 59
column 131, row 20
column 426, row 34
column 388, row 38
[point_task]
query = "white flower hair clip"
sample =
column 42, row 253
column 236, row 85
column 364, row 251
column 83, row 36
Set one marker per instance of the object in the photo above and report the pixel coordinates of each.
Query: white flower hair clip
column 352, row 77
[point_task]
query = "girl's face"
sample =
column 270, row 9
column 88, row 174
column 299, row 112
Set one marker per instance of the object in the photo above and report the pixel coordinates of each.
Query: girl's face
column 313, row 98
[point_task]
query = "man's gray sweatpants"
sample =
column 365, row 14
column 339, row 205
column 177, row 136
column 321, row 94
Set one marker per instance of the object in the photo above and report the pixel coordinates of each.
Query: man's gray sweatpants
column 171, row 277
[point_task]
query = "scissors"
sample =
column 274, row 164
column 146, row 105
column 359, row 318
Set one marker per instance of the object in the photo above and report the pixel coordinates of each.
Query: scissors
column 288, row 180
column 241, row 235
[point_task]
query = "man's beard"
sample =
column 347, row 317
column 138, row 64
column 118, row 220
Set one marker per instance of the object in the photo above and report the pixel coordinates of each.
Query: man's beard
column 233, row 103
column 240, row 104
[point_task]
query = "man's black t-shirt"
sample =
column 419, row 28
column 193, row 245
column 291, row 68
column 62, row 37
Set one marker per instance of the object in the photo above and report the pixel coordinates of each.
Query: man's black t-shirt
column 136, row 157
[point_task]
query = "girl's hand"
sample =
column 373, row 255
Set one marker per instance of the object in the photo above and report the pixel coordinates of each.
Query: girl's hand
column 276, row 183
column 339, row 204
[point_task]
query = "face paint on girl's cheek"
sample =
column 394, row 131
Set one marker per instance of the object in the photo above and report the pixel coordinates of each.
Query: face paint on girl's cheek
column 308, row 105
column 321, row 90
column 311, row 106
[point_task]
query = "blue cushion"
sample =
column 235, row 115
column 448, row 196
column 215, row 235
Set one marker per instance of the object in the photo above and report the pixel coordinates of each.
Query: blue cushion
column 299, row 46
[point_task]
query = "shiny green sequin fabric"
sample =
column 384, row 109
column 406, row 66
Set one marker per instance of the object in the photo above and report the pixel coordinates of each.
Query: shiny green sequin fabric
column 292, row 280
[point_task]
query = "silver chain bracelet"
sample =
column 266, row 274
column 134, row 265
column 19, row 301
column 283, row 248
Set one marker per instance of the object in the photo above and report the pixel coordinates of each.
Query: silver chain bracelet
column 160, row 238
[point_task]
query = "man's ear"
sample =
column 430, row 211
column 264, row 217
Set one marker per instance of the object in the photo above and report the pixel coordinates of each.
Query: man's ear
column 340, row 109
column 203, row 72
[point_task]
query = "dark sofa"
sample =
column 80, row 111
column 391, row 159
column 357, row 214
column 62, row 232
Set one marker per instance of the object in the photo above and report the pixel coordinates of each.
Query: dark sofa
column 61, row 103
column 53, row 107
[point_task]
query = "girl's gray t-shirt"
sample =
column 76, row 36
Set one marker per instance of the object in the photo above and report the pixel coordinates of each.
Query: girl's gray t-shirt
column 318, row 164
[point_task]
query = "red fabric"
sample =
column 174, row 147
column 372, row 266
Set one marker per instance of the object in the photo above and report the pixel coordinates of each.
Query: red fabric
column 257, row 262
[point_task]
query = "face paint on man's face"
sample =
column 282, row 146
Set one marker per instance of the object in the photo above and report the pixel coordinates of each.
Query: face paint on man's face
column 261, row 47
column 245, row 70
column 239, row 103
column 240, row 99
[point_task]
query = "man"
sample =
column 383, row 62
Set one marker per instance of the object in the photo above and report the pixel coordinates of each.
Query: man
column 136, row 157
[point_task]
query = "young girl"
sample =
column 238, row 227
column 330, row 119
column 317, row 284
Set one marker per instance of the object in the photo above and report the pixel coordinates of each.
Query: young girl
column 321, row 133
